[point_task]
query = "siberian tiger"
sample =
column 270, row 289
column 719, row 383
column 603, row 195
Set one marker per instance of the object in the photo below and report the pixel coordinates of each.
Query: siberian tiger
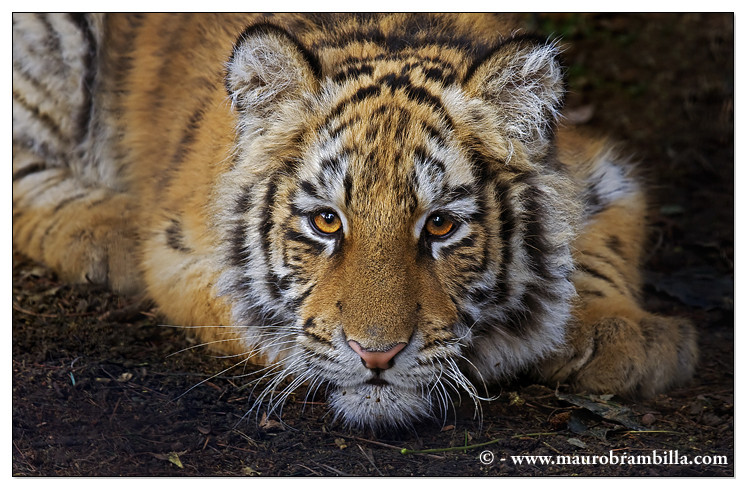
column 384, row 205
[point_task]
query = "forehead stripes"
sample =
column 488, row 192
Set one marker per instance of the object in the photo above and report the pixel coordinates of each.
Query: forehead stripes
column 379, row 124
column 425, row 68
column 401, row 80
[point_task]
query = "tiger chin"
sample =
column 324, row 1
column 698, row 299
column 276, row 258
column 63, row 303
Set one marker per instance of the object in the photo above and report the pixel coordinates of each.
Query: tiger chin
column 382, row 207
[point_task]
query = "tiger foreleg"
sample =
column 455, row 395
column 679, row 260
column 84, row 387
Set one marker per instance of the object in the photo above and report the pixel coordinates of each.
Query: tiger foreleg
column 85, row 234
column 612, row 344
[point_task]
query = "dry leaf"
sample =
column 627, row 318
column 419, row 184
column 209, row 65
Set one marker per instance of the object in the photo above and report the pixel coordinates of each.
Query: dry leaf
column 270, row 424
column 250, row 471
column 125, row 377
column 172, row 457
column 515, row 399
column 341, row 443
column 577, row 443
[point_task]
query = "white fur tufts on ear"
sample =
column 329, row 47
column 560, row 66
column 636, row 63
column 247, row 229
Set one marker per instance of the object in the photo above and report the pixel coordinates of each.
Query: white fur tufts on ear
column 523, row 81
column 267, row 67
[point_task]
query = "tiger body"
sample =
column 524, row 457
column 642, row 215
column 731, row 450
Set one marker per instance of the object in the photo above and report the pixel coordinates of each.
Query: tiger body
column 379, row 204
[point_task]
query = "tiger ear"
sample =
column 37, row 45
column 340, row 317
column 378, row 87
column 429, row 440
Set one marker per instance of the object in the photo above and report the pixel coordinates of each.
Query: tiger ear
column 524, row 82
column 268, row 67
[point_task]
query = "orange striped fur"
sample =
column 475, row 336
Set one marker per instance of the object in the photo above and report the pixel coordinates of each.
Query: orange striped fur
column 385, row 205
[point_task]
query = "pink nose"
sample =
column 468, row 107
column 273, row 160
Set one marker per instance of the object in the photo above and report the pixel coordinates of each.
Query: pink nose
column 376, row 359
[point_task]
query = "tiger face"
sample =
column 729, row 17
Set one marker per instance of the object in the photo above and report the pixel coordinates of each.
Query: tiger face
column 390, row 224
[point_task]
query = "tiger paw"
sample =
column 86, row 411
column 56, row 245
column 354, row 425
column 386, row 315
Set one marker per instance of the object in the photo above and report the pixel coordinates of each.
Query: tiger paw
column 626, row 357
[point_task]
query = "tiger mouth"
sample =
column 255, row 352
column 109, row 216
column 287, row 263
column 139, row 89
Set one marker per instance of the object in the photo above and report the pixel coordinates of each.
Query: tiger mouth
column 377, row 381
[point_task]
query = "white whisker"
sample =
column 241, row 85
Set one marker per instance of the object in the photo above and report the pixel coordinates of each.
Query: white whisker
column 205, row 344
column 210, row 378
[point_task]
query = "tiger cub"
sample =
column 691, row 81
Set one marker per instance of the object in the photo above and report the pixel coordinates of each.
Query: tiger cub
column 382, row 205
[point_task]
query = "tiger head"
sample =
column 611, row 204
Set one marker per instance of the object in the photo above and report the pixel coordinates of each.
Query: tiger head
column 395, row 227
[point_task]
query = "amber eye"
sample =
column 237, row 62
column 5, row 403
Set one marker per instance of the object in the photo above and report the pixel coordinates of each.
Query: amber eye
column 439, row 225
column 326, row 222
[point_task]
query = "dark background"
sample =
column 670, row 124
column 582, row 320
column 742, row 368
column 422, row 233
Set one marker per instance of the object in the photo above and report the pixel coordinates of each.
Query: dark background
column 101, row 388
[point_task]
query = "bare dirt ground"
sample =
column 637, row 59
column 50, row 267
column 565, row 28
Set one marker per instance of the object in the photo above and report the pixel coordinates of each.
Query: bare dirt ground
column 101, row 388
